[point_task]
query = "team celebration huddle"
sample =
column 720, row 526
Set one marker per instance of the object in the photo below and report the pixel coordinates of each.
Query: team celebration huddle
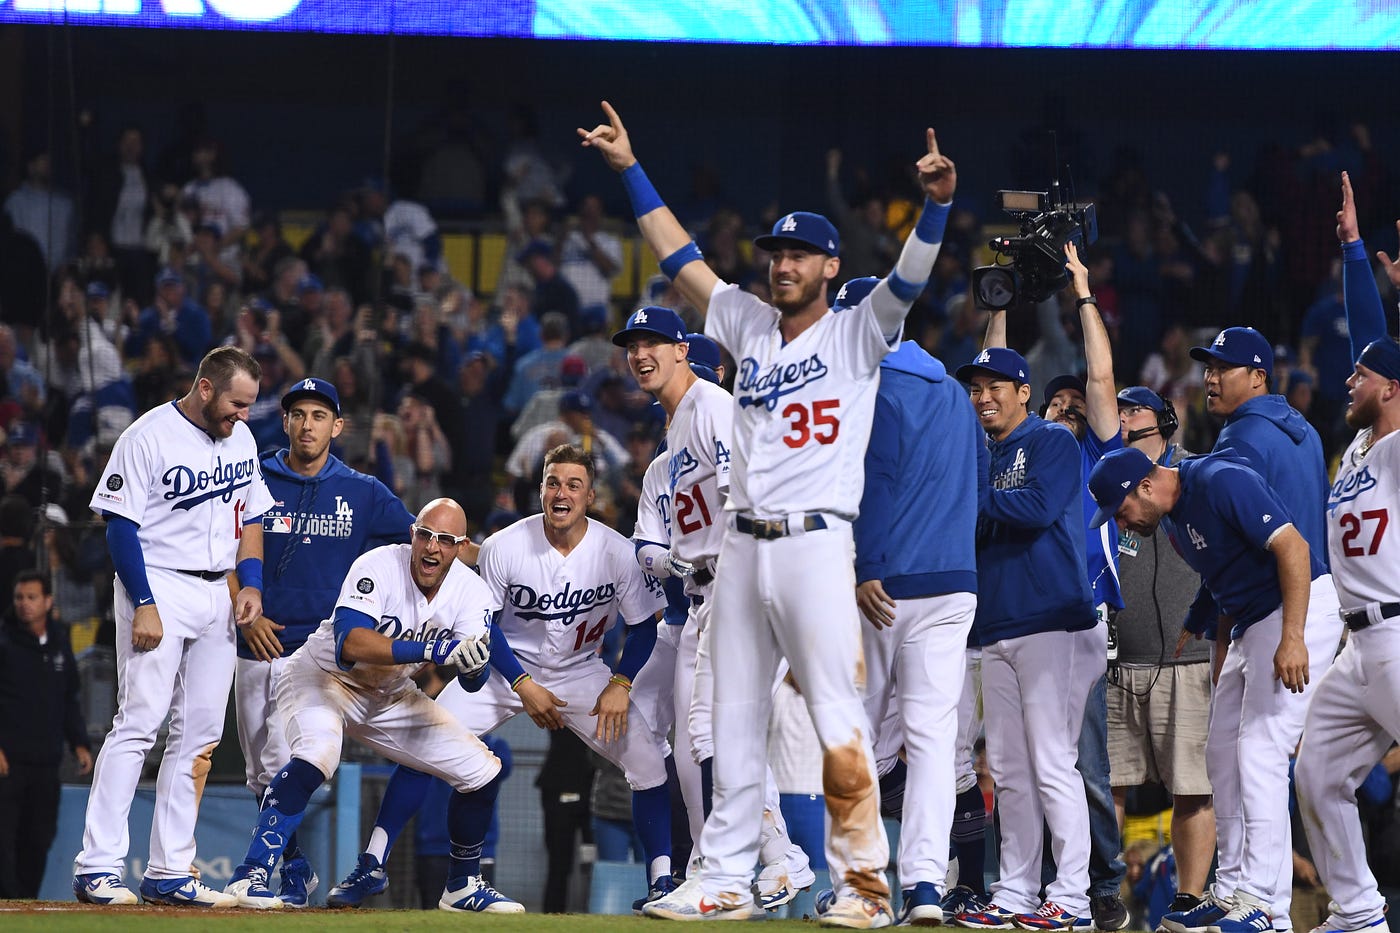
column 920, row 555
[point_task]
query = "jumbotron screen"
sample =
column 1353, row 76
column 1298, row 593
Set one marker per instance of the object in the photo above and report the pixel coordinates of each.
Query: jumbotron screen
column 1148, row 24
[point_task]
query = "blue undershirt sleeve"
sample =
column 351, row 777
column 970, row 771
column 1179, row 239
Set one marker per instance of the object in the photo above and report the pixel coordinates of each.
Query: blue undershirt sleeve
column 124, row 544
column 343, row 622
column 503, row 658
column 641, row 638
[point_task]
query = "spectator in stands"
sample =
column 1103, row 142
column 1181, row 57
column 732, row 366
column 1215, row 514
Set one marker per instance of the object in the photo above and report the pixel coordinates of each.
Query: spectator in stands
column 23, row 474
column 399, row 226
column 22, row 381
column 418, row 450
column 543, row 404
column 39, row 714
column 541, row 368
column 154, row 375
column 551, row 292
column 207, row 262
column 268, row 249
column 515, row 330
column 285, row 296
column 526, row 222
column 357, row 378
column 338, row 332
column 418, row 366
column 222, row 200
column 123, row 209
column 592, row 344
column 432, row 331
column 482, row 416
column 529, row 175
column 867, row 248
column 16, row 539
column 44, row 212
column 166, row 228
column 68, row 568
column 960, row 338
column 590, row 258
column 173, row 314
column 573, row 426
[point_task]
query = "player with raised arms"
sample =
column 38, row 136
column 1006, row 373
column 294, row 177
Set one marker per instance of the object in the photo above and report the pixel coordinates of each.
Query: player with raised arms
column 804, row 401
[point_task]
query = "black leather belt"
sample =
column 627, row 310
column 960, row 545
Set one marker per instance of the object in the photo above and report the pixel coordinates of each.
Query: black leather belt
column 703, row 577
column 770, row 529
column 1358, row 619
column 209, row 576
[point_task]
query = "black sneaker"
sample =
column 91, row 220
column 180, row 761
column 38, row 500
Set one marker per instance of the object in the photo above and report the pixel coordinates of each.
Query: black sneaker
column 1109, row 912
column 1184, row 902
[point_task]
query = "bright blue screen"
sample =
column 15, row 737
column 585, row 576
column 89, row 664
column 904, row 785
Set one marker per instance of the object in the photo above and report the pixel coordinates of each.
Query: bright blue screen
column 1200, row 24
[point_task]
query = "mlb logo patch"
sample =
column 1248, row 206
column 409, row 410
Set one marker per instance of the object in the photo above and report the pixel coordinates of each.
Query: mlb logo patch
column 281, row 525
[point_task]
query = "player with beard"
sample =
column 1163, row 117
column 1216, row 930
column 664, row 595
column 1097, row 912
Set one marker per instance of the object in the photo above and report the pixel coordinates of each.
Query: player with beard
column 1089, row 408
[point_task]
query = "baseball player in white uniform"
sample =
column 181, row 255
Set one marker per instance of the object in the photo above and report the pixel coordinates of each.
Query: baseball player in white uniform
column 184, row 499
column 400, row 605
column 804, row 397
column 1354, row 714
column 562, row 580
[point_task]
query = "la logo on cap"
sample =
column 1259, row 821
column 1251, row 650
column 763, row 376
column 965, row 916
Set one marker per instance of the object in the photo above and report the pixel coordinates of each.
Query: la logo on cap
column 1220, row 340
column 983, row 357
column 789, row 223
column 309, row 385
column 641, row 318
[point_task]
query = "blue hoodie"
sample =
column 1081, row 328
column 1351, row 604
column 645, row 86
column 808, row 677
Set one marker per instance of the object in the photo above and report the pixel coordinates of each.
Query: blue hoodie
column 1282, row 447
column 1030, row 537
column 927, row 456
column 315, row 529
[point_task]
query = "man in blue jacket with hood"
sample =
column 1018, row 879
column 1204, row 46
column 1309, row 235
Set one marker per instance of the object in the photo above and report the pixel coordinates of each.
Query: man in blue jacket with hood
column 324, row 516
column 1042, row 647
column 1277, row 442
column 916, row 575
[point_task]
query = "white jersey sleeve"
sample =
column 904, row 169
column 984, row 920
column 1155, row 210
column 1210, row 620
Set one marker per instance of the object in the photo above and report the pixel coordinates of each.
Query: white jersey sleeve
column 1363, row 503
column 190, row 493
column 380, row 585
column 698, row 446
column 654, row 506
column 802, row 409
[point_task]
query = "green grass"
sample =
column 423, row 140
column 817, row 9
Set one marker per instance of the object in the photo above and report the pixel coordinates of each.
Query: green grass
column 59, row 917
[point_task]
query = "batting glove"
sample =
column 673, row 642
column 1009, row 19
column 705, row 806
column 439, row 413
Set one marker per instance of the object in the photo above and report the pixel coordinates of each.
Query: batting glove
column 470, row 655
column 678, row 567
column 440, row 652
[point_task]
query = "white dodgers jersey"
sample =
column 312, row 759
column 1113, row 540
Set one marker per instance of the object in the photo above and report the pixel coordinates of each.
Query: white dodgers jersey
column 802, row 410
column 1364, row 501
column 697, row 470
column 380, row 584
column 189, row 493
column 654, row 506
column 555, row 609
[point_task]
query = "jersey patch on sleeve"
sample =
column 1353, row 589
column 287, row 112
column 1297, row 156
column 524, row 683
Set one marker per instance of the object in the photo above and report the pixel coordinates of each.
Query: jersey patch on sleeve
column 366, row 585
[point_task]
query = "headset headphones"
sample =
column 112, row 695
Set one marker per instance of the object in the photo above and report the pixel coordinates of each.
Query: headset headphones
column 1167, row 422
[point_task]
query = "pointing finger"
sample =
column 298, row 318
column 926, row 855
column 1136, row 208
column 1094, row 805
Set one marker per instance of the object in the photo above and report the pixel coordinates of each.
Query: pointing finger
column 613, row 118
column 932, row 142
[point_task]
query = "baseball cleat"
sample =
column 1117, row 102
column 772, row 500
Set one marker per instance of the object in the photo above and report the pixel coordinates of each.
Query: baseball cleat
column 690, row 902
column 990, row 917
column 921, row 906
column 476, row 896
column 658, row 889
column 366, row 879
column 856, row 912
column 1334, row 925
column 298, row 883
column 1209, row 910
column 777, row 886
column 962, row 900
column 1047, row 917
column 103, row 888
column 1243, row 918
column 1109, row 912
column 184, row 892
column 249, row 887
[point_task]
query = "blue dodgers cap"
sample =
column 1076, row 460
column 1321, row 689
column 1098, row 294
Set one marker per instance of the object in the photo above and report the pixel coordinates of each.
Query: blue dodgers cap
column 576, row 400
column 854, row 292
column 534, row 248
column 704, row 356
column 805, row 228
column 1112, row 478
column 653, row 319
column 23, row 434
column 1000, row 361
column 1382, row 357
column 312, row 387
column 1060, row 383
column 168, row 276
column 98, row 290
column 1140, row 395
column 1238, row 346
column 310, row 283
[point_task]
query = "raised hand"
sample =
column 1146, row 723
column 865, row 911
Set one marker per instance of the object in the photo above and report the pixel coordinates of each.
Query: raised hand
column 611, row 140
column 1079, row 273
column 1347, row 231
column 937, row 174
column 1392, row 266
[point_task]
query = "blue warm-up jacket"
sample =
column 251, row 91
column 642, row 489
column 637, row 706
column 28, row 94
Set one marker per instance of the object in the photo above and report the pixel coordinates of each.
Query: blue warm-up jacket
column 1030, row 538
column 325, row 522
column 927, row 455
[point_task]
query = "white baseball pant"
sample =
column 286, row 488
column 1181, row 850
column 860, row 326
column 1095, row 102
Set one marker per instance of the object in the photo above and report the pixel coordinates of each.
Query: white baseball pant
column 653, row 690
column 914, row 679
column 262, row 733
column 1034, row 689
column 969, row 722
column 187, row 676
column 1352, row 720
column 768, row 609
column 320, row 708
column 1255, row 724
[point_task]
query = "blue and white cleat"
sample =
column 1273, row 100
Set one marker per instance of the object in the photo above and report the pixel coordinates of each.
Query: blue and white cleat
column 921, row 906
column 249, row 886
column 1198, row 919
column 184, row 892
column 659, row 889
column 478, row 897
column 366, row 879
column 298, row 883
column 103, row 888
column 1244, row 918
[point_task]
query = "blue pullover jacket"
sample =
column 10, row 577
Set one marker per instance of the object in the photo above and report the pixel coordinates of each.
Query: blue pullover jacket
column 926, row 458
column 315, row 529
column 1030, row 539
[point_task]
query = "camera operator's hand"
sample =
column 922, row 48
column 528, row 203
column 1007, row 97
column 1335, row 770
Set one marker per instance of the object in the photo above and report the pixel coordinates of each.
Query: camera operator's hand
column 1079, row 273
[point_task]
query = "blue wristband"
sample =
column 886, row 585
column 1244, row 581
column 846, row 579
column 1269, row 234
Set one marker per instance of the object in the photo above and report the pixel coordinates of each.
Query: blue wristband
column 932, row 220
column 408, row 652
column 640, row 191
column 672, row 265
column 249, row 572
